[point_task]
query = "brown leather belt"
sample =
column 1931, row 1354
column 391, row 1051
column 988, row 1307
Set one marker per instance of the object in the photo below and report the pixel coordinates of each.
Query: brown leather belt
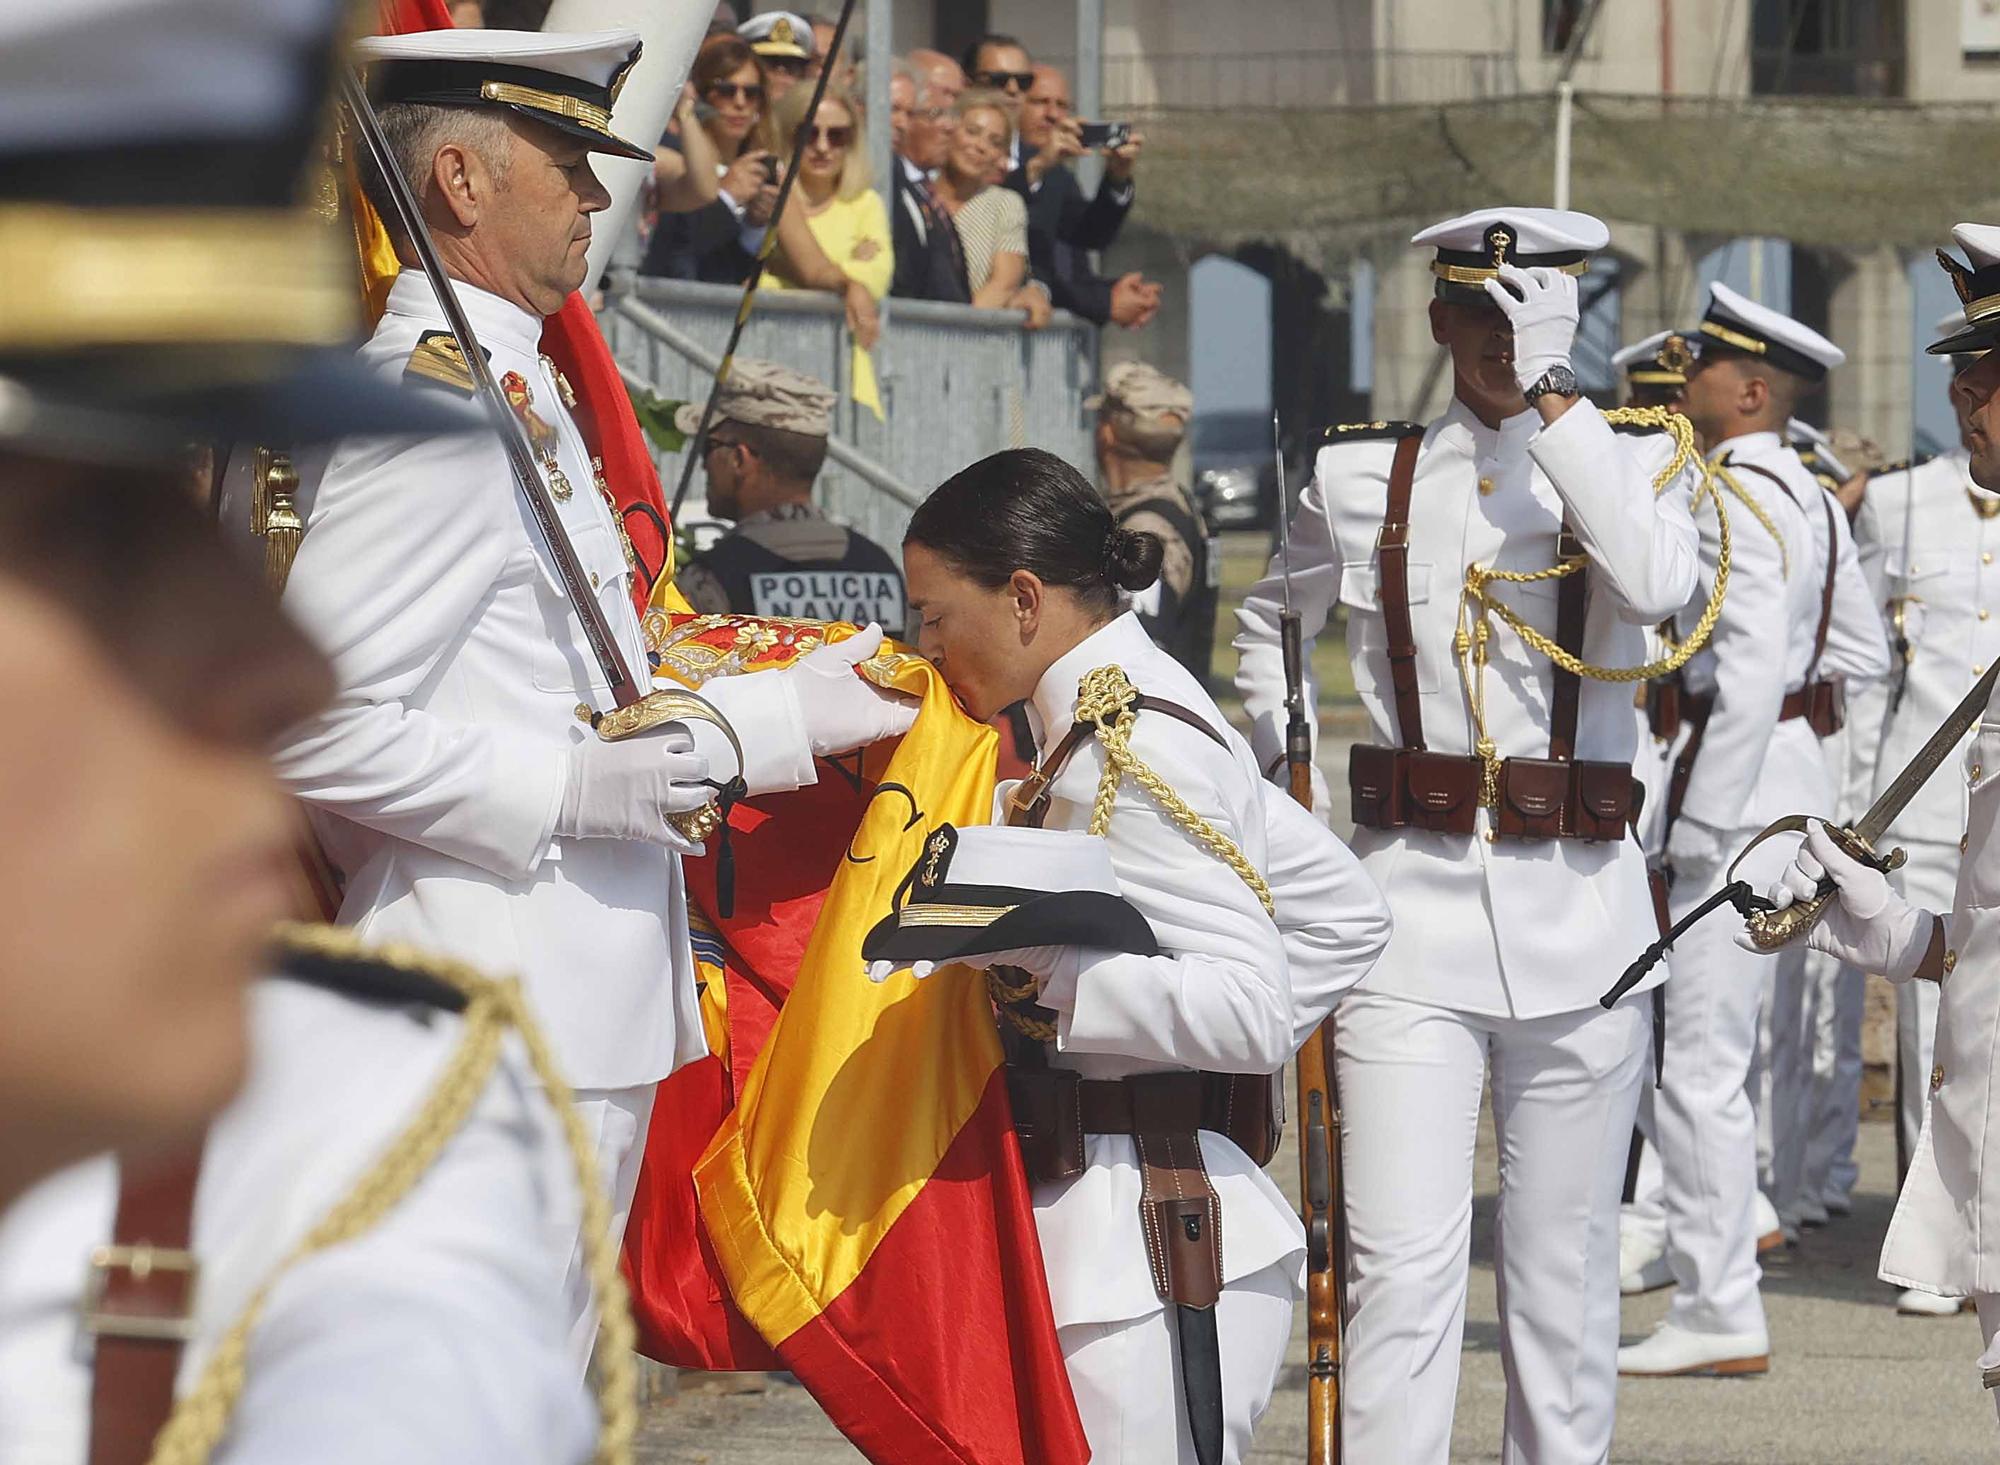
column 1819, row 703
column 1054, row 1108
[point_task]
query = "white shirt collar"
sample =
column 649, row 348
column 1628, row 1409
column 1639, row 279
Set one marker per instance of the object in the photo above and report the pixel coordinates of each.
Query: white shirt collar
column 1053, row 706
column 495, row 321
column 1510, row 437
column 1747, row 445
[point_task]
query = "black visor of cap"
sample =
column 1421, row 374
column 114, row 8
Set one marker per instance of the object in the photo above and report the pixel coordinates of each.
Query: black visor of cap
column 1979, row 293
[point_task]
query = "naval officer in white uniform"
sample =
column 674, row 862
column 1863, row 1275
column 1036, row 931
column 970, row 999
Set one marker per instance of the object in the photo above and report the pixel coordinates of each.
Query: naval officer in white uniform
column 1928, row 536
column 1503, row 943
column 1753, row 366
column 467, row 808
column 1014, row 567
column 1940, row 1240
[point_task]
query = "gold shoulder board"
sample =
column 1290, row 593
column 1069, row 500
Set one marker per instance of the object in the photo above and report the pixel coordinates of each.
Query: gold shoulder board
column 437, row 358
column 335, row 960
column 1358, row 432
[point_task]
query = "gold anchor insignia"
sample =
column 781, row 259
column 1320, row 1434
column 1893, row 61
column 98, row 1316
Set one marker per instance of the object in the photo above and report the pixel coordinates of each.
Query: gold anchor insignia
column 937, row 847
column 781, row 32
column 1675, row 354
column 1499, row 239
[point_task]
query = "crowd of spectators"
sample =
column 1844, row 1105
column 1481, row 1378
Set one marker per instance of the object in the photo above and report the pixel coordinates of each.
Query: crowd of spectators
column 985, row 208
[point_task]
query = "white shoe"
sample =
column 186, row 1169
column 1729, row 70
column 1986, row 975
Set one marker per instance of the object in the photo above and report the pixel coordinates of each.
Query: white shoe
column 1915, row 1303
column 1638, row 1245
column 1812, row 1214
column 1649, row 1276
column 1838, row 1206
column 1770, row 1232
column 1674, row 1351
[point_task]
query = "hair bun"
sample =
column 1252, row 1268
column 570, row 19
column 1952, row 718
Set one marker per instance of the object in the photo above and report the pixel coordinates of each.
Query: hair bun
column 1132, row 558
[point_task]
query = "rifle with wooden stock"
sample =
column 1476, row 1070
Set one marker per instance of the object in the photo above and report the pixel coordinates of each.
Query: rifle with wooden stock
column 1320, row 1204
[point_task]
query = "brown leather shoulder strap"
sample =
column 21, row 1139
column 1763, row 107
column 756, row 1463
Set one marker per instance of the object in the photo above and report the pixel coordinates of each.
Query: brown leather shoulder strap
column 1392, row 577
column 138, row 1307
column 1826, row 589
column 1783, row 487
column 1570, row 605
column 1029, row 804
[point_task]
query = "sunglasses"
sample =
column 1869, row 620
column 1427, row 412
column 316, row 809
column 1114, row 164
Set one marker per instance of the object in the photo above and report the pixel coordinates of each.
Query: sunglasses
column 729, row 91
column 833, row 137
column 1009, row 81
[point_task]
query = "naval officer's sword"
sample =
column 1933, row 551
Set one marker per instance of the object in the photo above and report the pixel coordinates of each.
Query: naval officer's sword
column 1771, row 928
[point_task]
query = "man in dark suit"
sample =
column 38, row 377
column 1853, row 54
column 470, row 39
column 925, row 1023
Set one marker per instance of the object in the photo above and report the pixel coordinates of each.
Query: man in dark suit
column 1063, row 224
column 929, row 263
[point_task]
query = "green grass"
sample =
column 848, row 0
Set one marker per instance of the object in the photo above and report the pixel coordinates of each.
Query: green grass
column 1245, row 554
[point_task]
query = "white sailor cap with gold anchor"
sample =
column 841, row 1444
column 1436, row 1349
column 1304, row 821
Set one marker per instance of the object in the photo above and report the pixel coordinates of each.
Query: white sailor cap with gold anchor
column 1977, row 282
column 1472, row 247
column 1736, row 324
column 569, row 81
column 1661, row 360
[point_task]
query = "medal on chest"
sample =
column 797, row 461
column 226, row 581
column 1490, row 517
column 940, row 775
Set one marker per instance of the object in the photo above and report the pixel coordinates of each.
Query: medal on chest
column 541, row 433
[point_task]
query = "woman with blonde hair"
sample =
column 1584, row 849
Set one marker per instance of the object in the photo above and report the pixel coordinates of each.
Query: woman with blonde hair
column 845, row 216
column 991, row 220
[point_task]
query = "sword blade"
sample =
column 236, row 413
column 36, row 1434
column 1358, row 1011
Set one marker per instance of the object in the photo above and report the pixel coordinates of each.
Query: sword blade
column 1872, row 825
column 1284, row 513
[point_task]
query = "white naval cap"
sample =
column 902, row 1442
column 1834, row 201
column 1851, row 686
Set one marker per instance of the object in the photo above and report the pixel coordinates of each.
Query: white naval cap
column 1977, row 282
column 1661, row 360
column 1737, row 323
column 567, row 80
column 779, row 35
column 1472, row 247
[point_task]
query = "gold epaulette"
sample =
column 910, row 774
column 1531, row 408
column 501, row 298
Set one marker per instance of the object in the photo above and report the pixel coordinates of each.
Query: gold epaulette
column 1361, row 432
column 1901, row 465
column 437, row 358
column 334, row 959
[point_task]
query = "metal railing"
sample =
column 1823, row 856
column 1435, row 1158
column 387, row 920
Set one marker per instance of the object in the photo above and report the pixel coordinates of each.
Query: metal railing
column 956, row 383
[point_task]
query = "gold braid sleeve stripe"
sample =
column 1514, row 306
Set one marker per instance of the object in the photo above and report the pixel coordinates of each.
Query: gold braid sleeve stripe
column 199, row 1420
column 1478, row 577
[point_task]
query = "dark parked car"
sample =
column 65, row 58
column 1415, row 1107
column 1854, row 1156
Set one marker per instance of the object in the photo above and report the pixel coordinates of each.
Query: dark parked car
column 1235, row 486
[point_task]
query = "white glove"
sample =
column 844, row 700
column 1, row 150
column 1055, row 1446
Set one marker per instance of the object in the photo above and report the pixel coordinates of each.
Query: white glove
column 625, row 790
column 842, row 711
column 1038, row 961
column 1694, row 849
column 1544, row 319
column 1868, row 924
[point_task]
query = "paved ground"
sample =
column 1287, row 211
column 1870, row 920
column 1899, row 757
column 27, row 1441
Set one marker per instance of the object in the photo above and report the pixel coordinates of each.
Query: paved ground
column 1851, row 1382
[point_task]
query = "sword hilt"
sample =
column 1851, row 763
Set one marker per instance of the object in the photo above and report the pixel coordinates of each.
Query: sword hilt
column 1771, row 930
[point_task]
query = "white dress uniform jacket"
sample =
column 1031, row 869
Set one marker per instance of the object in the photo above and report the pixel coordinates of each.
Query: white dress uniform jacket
column 1927, row 548
column 1234, row 990
column 1945, row 1236
column 437, row 775
column 1494, row 497
column 435, row 1338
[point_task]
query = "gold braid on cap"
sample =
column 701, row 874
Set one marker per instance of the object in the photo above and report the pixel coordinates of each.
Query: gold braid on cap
column 201, row 1418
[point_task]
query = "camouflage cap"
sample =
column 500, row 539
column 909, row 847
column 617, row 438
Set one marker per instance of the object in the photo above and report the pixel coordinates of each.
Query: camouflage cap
column 1144, row 393
column 765, row 394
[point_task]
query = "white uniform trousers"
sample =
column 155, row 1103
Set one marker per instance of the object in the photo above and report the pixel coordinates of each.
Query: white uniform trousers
column 1565, row 1089
column 1126, row 1374
column 1834, row 1108
column 1930, row 881
column 1701, row 1118
column 1781, row 1080
column 615, row 1122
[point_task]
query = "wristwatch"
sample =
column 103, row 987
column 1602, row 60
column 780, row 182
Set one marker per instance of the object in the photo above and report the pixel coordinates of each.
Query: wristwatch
column 1557, row 381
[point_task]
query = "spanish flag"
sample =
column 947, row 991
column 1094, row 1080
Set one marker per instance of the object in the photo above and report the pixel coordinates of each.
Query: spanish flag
column 861, row 1194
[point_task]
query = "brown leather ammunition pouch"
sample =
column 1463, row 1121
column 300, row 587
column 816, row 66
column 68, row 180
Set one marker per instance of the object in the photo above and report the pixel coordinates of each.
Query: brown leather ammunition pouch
column 1375, row 786
column 1441, row 791
column 1663, row 708
column 1605, row 801
column 1820, row 704
column 1534, row 797
column 1047, row 1121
